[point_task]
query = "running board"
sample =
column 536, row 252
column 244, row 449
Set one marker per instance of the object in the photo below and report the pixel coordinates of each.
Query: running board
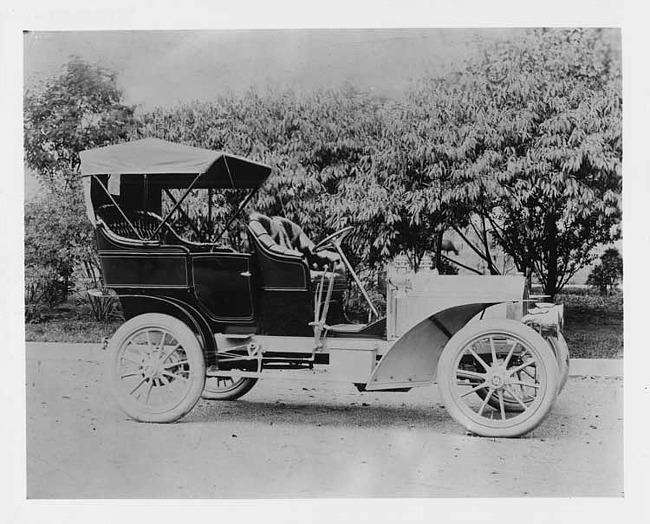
column 318, row 375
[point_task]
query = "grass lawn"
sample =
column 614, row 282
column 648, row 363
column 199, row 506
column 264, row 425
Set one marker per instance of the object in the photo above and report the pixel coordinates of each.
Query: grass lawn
column 70, row 322
column 593, row 325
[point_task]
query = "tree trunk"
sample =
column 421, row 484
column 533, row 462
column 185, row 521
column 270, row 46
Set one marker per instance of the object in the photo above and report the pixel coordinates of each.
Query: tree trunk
column 550, row 230
column 439, row 253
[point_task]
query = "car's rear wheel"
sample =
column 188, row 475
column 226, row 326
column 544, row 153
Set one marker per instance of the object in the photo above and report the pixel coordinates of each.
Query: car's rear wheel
column 157, row 368
column 502, row 361
column 227, row 388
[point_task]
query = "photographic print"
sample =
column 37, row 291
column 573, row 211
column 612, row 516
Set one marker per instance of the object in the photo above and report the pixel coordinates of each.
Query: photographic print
column 323, row 263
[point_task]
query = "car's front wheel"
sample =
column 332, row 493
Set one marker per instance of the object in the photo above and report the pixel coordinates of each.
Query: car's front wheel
column 157, row 368
column 561, row 351
column 498, row 378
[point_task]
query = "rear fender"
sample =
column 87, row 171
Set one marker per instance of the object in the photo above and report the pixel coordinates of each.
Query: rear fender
column 413, row 359
column 139, row 304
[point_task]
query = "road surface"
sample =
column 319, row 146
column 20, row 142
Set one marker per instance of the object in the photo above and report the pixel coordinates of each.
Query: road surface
column 288, row 439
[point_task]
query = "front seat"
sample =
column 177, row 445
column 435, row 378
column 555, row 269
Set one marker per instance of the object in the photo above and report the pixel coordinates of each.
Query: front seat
column 299, row 241
column 281, row 266
column 318, row 262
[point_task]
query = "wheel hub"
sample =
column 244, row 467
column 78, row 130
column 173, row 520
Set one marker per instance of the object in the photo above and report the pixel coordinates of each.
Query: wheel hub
column 497, row 379
column 152, row 367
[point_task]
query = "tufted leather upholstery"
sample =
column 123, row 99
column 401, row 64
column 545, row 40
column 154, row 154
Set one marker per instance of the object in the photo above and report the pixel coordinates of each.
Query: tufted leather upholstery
column 144, row 223
column 282, row 268
column 271, row 236
column 283, row 240
column 301, row 242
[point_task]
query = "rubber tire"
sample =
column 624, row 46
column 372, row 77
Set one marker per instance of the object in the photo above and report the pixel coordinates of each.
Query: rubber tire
column 186, row 337
column 561, row 350
column 446, row 377
column 238, row 389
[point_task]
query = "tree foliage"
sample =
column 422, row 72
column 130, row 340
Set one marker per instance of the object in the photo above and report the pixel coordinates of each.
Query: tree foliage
column 79, row 109
column 534, row 149
column 315, row 144
column 519, row 151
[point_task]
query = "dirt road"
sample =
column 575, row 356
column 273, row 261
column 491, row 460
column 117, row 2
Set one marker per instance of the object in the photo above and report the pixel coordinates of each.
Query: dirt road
column 288, row 439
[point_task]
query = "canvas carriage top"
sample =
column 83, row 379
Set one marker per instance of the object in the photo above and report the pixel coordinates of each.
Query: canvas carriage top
column 142, row 255
column 205, row 318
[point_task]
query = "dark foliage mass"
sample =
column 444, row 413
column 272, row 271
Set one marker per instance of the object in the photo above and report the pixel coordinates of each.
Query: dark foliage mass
column 606, row 276
column 519, row 152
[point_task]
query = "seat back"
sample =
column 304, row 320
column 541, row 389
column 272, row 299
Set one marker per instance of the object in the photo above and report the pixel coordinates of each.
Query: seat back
column 271, row 236
column 141, row 223
column 294, row 235
column 299, row 241
column 282, row 268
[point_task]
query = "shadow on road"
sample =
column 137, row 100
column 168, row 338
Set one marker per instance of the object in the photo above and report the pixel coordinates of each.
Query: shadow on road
column 361, row 414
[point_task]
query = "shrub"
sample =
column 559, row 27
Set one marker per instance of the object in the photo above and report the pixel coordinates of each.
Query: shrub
column 48, row 268
column 58, row 241
column 100, row 302
column 606, row 275
column 44, row 288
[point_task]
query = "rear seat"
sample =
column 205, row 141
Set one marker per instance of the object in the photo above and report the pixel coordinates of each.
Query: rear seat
column 144, row 223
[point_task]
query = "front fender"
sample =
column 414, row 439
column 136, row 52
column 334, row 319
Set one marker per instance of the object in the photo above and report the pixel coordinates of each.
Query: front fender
column 413, row 359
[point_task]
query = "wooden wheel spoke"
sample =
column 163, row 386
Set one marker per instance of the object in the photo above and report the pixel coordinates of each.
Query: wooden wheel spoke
column 502, row 407
column 518, row 399
column 524, row 384
column 171, row 352
column 163, row 336
column 149, row 344
column 463, row 373
column 174, row 364
column 138, row 386
column 510, row 353
column 174, row 376
column 474, row 389
column 485, row 401
column 479, row 359
column 146, row 399
column 493, row 350
column 527, row 373
column 526, row 364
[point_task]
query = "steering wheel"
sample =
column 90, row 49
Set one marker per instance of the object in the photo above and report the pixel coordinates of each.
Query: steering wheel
column 328, row 240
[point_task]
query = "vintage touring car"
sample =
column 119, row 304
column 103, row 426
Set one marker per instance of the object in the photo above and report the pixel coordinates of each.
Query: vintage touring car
column 205, row 319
